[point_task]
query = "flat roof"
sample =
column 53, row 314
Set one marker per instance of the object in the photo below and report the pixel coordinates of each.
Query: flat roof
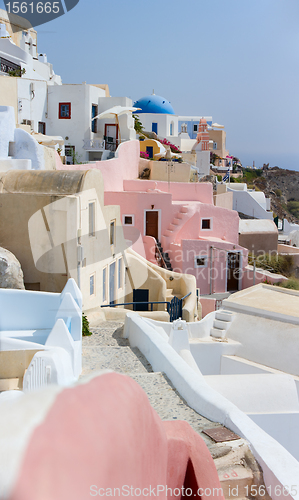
column 281, row 301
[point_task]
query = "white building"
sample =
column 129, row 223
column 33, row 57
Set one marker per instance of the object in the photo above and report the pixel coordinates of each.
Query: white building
column 42, row 104
column 157, row 115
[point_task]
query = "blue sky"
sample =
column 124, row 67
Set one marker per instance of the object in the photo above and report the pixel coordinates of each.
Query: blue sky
column 236, row 60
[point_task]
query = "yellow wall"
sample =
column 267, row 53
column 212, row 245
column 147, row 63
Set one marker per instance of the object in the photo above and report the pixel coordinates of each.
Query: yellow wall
column 9, row 92
column 150, row 143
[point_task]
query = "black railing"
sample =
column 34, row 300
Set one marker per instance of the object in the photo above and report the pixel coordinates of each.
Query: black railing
column 9, row 67
column 159, row 257
column 174, row 308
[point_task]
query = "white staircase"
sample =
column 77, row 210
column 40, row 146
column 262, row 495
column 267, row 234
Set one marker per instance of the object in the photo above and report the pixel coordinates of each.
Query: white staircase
column 221, row 324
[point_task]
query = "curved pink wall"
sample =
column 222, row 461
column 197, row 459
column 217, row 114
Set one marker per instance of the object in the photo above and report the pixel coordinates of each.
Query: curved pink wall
column 114, row 171
column 104, row 434
column 181, row 191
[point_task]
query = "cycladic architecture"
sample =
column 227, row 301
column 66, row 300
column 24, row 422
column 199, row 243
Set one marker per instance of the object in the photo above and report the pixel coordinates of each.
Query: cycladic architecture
column 202, row 148
column 157, row 115
column 40, row 338
column 43, row 105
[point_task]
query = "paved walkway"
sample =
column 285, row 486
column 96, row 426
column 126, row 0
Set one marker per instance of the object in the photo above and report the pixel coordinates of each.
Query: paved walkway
column 107, row 349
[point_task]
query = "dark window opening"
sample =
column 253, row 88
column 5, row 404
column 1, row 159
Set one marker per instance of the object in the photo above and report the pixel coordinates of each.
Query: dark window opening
column 206, row 224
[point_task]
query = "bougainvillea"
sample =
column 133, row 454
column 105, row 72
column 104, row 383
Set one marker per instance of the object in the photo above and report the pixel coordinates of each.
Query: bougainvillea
column 144, row 155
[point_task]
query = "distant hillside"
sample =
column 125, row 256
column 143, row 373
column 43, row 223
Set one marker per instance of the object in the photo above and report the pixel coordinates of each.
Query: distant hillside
column 282, row 186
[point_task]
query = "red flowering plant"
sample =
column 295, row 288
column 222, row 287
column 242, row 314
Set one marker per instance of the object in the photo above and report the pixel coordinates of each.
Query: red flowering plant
column 173, row 148
column 144, row 154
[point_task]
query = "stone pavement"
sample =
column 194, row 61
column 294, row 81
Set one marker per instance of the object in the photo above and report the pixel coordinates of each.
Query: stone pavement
column 107, row 349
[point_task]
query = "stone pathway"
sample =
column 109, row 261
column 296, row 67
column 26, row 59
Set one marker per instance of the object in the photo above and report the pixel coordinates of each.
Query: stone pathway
column 107, row 349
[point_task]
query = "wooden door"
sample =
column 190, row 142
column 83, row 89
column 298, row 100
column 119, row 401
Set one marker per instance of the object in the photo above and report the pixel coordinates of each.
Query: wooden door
column 233, row 271
column 151, row 223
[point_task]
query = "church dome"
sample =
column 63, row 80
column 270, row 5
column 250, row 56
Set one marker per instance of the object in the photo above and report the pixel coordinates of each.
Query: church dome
column 154, row 104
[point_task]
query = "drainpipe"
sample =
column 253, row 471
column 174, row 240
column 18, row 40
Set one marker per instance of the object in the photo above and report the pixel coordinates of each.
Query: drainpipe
column 211, row 269
column 254, row 266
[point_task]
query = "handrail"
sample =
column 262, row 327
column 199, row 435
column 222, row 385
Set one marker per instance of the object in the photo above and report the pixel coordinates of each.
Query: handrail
column 160, row 256
column 138, row 303
column 186, row 296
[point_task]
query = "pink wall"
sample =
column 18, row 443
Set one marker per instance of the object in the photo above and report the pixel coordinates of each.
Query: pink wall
column 104, row 434
column 135, row 203
column 208, row 305
column 183, row 257
column 114, row 171
column 181, row 191
column 260, row 277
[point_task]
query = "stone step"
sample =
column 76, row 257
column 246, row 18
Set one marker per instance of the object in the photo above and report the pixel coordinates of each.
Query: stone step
column 218, row 333
column 184, row 210
column 222, row 325
column 176, row 221
column 172, row 226
column 224, row 315
column 168, row 232
column 236, row 482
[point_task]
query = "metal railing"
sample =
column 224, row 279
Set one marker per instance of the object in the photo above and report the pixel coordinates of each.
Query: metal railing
column 174, row 308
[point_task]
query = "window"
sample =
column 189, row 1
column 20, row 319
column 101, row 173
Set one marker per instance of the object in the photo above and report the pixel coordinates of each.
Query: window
column 91, row 218
column 94, row 123
column 201, row 261
column 92, row 285
column 69, row 152
column 128, row 220
column 41, row 128
column 155, row 127
column 214, row 145
column 104, row 284
column 171, row 129
column 112, row 232
column 120, row 273
column 64, row 110
column 195, row 128
column 205, row 223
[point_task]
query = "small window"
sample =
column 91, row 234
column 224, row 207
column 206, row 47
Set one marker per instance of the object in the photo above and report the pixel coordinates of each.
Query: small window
column 171, row 129
column 201, row 261
column 128, row 220
column 205, row 223
column 120, row 273
column 91, row 218
column 195, row 128
column 41, row 128
column 214, row 145
column 94, row 123
column 70, row 154
column 104, row 284
column 112, row 232
column 92, row 285
column 64, row 110
column 155, row 127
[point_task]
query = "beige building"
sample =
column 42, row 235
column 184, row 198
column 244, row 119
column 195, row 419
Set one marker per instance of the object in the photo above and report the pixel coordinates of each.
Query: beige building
column 58, row 227
column 258, row 235
column 56, row 224
column 218, row 143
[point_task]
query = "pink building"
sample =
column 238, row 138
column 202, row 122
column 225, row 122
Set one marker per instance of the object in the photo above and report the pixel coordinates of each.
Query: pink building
column 194, row 236
column 199, row 238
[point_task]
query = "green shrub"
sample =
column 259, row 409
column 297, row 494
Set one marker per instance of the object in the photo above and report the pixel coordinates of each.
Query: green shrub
column 293, row 208
column 219, row 178
column 291, row 284
column 278, row 192
column 85, row 326
column 278, row 264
